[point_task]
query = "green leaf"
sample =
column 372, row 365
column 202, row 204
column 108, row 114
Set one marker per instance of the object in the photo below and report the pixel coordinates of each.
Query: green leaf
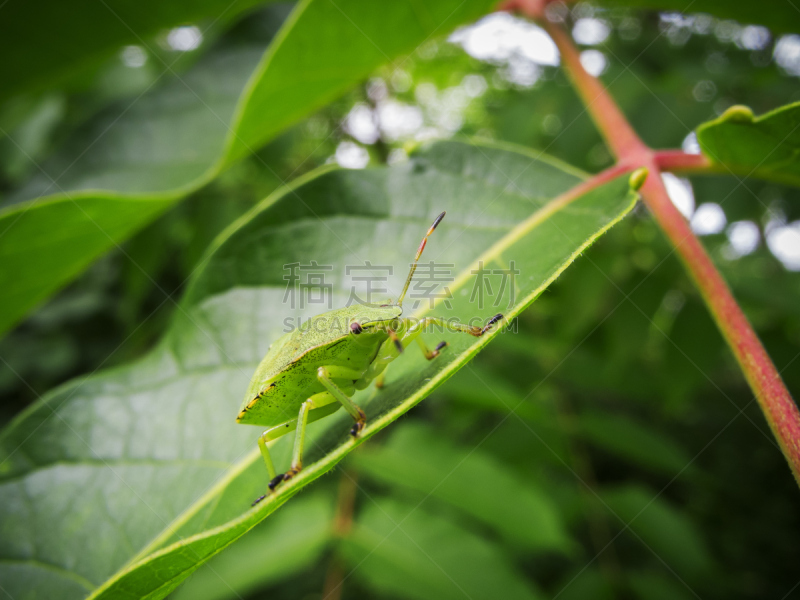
column 767, row 146
column 780, row 17
column 131, row 478
column 633, row 441
column 661, row 532
column 651, row 585
column 134, row 161
column 481, row 388
column 300, row 73
column 130, row 164
column 86, row 32
column 404, row 552
column 276, row 549
column 416, row 457
column 585, row 582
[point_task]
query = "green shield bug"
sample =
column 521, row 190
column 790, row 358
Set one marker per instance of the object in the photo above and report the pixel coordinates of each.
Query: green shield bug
column 314, row 370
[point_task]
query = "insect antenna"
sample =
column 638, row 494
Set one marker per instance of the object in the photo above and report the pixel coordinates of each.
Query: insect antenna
column 416, row 258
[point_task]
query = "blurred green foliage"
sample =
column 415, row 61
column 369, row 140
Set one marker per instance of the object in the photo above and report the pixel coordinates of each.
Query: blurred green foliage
column 609, row 449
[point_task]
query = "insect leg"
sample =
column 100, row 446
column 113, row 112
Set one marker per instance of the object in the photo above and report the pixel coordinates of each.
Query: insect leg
column 319, row 406
column 271, row 434
column 430, row 354
column 299, row 425
column 379, row 380
column 389, row 351
column 262, row 445
column 425, row 322
column 325, row 376
column 299, row 440
column 412, row 333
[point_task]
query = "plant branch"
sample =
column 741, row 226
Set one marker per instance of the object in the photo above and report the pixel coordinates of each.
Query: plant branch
column 595, row 181
column 676, row 160
column 774, row 399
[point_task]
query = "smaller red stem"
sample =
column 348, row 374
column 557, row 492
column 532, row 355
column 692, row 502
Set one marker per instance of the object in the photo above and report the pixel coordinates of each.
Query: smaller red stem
column 597, row 180
column 676, row 160
column 681, row 162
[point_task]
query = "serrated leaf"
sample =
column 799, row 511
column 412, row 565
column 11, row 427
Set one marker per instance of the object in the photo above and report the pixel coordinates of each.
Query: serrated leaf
column 404, row 552
column 767, row 146
column 417, row 458
column 131, row 163
column 130, row 479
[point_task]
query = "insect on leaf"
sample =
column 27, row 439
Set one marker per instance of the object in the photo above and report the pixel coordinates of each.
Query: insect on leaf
column 123, row 483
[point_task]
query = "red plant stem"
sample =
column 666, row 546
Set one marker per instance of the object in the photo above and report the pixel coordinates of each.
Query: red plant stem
column 680, row 162
column 778, row 406
column 676, row 160
column 593, row 182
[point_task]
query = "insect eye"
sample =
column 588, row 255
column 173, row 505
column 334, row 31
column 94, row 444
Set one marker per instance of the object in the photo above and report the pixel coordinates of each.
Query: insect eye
column 356, row 328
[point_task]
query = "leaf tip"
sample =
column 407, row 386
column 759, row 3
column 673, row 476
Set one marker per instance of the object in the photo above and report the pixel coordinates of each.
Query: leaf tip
column 638, row 178
column 738, row 113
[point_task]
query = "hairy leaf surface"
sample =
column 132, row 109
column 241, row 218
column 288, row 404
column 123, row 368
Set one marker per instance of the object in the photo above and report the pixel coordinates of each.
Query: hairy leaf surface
column 121, row 484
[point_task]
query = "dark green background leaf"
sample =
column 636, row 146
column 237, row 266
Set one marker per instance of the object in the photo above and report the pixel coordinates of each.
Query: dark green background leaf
column 471, row 480
column 48, row 40
column 403, row 551
column 632, row 441
column 779, row 16
column 662, row 529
